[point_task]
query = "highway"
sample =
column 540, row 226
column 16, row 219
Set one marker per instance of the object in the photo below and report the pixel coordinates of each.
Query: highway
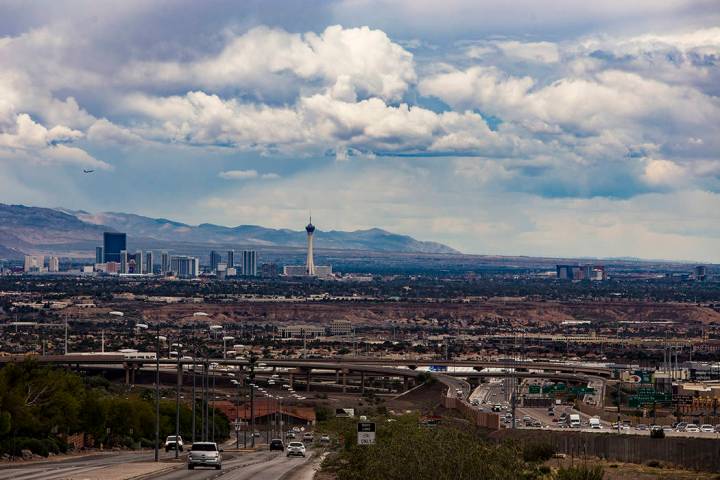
column 260, row 465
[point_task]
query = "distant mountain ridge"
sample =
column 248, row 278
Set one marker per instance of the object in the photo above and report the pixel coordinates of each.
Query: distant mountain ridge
column 28, row 229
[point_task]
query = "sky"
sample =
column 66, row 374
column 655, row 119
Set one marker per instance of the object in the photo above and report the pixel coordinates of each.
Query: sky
column 527, row 127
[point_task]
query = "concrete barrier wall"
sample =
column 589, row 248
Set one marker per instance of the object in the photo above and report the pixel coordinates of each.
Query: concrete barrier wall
column 481, row 419
column 693, row 453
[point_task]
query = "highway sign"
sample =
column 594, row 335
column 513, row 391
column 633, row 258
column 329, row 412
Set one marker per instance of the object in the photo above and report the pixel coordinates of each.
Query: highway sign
column 366, row 433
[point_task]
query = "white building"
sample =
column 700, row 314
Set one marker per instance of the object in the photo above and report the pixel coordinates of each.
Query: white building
column 54, row 264
column 301, row 331
column 34, row 263
column 340, row 327
column 249, row 263
column 185, row 267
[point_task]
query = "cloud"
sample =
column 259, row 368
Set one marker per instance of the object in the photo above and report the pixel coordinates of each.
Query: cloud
column 315, row 122
column 355, row 61
column 32, row 142
column 247, row 175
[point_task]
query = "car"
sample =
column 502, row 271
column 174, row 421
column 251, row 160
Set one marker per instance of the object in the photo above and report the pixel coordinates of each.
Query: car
column 308, row 437
column 296, row 449
column 717, row 428
column 692, row 428
column 680, row 427
column 204, row 454
column 641, row 427
column 256, row 434
column 290, row 434
column 707, row 428
column 325, row 438
column 277, row 444
column 171, row 444
column 667, row 428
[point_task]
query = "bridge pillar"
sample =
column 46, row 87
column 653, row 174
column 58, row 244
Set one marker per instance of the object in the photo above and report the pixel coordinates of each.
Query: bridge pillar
column 362, row 383
column 291, row 380
column 127, row 374
column 405, row 384
column 344, row 381
column 337, row 376
column 307, row 380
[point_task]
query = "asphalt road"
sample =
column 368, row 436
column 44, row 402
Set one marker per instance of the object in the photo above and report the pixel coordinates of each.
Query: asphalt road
column 72, row 467
column 253, row 466
column 261, row 465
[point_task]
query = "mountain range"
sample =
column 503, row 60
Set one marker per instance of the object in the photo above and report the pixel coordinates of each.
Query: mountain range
column 75, row 233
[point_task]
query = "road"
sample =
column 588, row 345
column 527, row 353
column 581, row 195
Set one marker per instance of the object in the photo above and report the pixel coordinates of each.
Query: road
column 261, row 465
column 253, row 466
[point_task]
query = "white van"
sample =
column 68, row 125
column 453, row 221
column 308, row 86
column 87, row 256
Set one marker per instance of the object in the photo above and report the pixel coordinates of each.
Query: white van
column 574, row 420
column 595, row 423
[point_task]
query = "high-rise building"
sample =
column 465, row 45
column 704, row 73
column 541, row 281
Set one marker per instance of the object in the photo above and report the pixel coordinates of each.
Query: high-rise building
column 113, row 244
column 139, row 262
column 700, row 272
column 249, row 263
column 310, row 262
column 99, row 257
column 185, row 267
column 34, row 263
column 54, row 264
column 581, row 272
column 149, row 263
column 123, row 261
column 231, row 258
column 215, row 258
column 164, row 262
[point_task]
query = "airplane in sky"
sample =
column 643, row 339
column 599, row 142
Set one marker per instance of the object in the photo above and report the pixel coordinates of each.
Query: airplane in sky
column 88, row 171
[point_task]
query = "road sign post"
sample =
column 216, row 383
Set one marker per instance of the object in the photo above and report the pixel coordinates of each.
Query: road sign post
column 366, row 433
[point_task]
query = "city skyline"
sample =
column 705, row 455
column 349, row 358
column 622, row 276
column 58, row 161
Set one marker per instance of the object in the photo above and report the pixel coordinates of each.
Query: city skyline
column 561, row 131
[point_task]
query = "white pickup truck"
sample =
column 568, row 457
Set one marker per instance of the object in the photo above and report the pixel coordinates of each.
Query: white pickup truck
column 595, row 423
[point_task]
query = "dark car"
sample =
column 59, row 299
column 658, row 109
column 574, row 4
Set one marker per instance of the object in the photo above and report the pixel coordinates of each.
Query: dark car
column 277, row 444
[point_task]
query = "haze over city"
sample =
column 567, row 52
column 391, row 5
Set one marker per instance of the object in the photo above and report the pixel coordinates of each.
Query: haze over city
column 549, row 128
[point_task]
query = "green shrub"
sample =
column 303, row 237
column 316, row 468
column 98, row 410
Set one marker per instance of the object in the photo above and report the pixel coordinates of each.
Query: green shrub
column 537, row 452
column 582, row 472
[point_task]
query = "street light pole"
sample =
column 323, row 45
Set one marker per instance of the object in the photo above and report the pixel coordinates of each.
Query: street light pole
column 157, row 393
column 177, row 399
column 193, row 384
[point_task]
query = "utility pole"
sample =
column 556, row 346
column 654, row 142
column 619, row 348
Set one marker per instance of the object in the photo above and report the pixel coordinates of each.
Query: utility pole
column 206, row 379
column 213, row 409
column 157, row 392
column 237, row 418
column 66, row 334
column 251, row 376
column 514, row 401
column 619, row 403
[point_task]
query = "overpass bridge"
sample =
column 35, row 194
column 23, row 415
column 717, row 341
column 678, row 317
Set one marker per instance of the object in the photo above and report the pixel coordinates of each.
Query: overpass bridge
column 366, row 368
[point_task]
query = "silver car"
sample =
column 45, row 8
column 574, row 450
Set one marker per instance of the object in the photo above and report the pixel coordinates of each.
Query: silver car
column 205, row 454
